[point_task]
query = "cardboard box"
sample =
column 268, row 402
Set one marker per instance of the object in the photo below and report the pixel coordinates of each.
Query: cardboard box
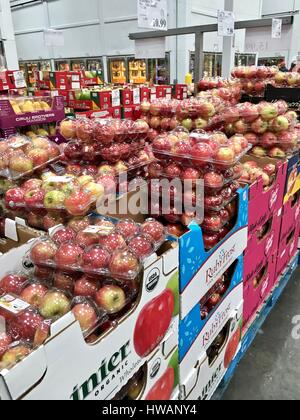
column 64, row 80
column 12, row 79
column 145, row 94
column 67, row 368
column 9, row 121
column 201, row 373
column 158, row 379
column 293, row 178
column 193, row 328
column 259, row 286
column 264, row 203
column 180, row 92
column 201, row 269
column 17, row 235
column 126, row 97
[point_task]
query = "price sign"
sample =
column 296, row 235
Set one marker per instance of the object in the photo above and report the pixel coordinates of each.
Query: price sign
column 225, row 23
column 276, row 28
column 153, row 14
column 19, row 79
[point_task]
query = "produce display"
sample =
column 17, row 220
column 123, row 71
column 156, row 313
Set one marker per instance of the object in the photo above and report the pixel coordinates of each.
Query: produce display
column 20, row 156
column 160, row 114
column 270, row 127
column 252, row 172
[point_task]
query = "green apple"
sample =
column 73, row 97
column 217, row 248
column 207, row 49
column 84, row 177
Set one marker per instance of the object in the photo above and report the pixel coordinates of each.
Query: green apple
column 85, row 179
column 174, row 363
column 54, row 199
column 85, row 95
column 97, row 190
column 78, row 94
column 173, row 285
column 54, row 305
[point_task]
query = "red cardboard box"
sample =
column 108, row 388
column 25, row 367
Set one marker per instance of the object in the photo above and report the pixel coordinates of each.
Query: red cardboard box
column 63, row 80
column 181, row 92
column 127, row 97
column 145, row 94
column 12, row 79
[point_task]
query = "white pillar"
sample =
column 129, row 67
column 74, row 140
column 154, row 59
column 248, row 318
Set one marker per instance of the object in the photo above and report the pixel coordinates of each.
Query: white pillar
column 8, row 35
column 228, row 48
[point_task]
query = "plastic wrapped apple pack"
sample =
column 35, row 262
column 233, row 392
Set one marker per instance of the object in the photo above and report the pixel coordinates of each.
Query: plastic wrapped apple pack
column 254, row 72
column 20, row 156
column 160, row 114
column 199, row 149
column 211, row 300
column 102, row 249
column 104, row 132
column 252, row 172
column 226, row 89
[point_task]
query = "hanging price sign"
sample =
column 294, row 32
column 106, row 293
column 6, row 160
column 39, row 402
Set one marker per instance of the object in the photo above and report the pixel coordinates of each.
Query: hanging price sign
column 153, row 14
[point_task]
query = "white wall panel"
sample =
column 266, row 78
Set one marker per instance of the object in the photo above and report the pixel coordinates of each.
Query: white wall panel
column 31, row 46
column 63, row 12
column 277, row 6
column 28, row 17
column 115, row 9
column 79, row 42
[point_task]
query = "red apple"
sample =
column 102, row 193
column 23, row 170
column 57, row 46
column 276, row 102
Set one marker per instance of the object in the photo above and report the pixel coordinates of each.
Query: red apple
column 225, row 155
column 112, row 242
column 86, row 315
column 38, row 157
column 52, row 220
column 5, row 341
column 270, row 169
column 252, row 138
column 95, row 258
column 268, row 140
column 176, row 230
column 173, row 171
column 32, row 184
column 213, row 180
column 86, row 239
column 154, row 230
column 212, row 222
column 214, row 201
column 86, row 287
column 85, row 130
column 12, row 283
column 202, row 151
column 43, row 252
column 34, row 293
column 24, row 325
column 69, row 255
column 63, row 236
column 124, row 264
column 78, row 203
column 210, row 240
column 64, row 281
column 78, row 224
column 128, row 228
column 14, row 197
column 141, row 246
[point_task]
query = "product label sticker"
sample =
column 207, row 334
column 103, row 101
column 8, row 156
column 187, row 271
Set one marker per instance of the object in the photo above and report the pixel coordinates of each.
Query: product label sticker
column 13, row 304
column 19, row 143
column 102, row 230
column 59, row 179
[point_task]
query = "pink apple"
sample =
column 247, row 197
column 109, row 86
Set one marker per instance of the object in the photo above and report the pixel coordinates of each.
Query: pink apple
column 95, row 258
column 86, row 315
column 12, row 283
column 34, row 293
column 86, row 287
column 68, row 255
column 43, row 252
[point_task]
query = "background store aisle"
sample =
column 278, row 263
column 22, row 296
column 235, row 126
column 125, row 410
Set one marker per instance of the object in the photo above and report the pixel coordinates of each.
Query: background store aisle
column 271, row 368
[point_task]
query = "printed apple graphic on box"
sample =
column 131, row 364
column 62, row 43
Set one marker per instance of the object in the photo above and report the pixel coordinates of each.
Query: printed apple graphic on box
column 155, row 319
column 232, row 347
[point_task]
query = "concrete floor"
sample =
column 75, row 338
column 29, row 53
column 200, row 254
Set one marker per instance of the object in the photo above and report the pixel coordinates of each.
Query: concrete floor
column 271, row 368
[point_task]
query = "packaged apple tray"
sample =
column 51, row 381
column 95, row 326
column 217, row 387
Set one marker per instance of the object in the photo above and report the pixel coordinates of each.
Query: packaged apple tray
column 98, row 280
column 76, row 190
column 20, row 156
column 200, row 149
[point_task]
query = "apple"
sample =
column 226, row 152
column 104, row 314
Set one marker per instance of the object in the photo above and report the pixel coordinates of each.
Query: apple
column 78, row 224
column 187, row 124
column 52, row 220
column 248, row 112
column 111, row 299
column 43, row 252
column 12, row 283
column 54, row 305
column 109, row 183
column 155, row 123
column 34, row 293
column 14, row 355
column 259, row 151
column 104, row 131
column 270, row 169
column 34, row 198
column 268, row 111
column 40, row 143
column 240, row 127
column 73, row 151
column 154, row 230
column 202, row 151
column 32, row 184
column 14, row 197
column 86, row 287
column 191, row 174
column 54, row 199
column 20, row 164
column 85, row 130
column 78, row 203
column 63, row 236
column 86, row 239
column 200, row 124
column 259, row 126
column 64, row 281
column 214, row 300
column 68, row 255
column 112, row 242
column 181, row 148
column 225, row 155
column 86, row 315
column 173, row 171
column 231, row 115
column 210, row 240
column 276, row 152
column 155, row 169
column 124, row 264
column 176, row 229
column 268, row 140
column 128, row 228
column 212, row 222
column 213, row 201
column 279, row 124
column 38, row 157
column 141, row 246
column 95, row 258
column 85, row 179
column 291, row 116
column 250, row 165
column 24, row 325
column 96, row 190
column 213, row 180
column 5, row 341
column 252, row 138
column 68, row 129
